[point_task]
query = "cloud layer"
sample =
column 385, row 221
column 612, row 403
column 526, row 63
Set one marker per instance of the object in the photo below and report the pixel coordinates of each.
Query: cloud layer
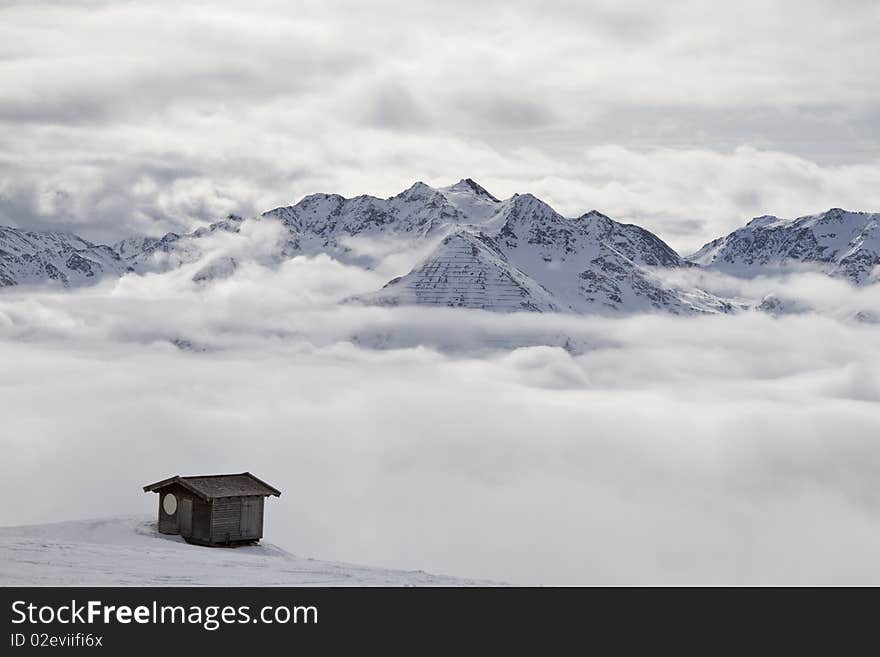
column 136, row 117
column 655, row 450
column 735, row 449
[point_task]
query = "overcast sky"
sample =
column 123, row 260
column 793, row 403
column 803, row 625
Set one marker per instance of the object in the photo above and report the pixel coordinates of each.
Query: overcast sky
column 687, row 118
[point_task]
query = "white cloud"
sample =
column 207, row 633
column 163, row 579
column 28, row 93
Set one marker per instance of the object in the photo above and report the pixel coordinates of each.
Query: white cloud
column 729, row 449
column 721, row 449
column 685, row 119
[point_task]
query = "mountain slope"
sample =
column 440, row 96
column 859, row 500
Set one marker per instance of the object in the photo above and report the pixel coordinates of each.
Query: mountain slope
column 470, row 199
column 172, row 250
column 31, row 257
column 130, row 552
column 837, row 242
column 319, row 223
column 326, row 223
column 515, row 254
column 466, row 270
column 593, row 263
column 520, row 254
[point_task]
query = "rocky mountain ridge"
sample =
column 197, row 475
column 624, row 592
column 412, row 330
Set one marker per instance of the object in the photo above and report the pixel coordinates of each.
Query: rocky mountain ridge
column 517, row 254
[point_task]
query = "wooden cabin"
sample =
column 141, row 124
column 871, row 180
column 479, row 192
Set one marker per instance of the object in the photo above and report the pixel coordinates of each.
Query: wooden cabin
column 225, row 509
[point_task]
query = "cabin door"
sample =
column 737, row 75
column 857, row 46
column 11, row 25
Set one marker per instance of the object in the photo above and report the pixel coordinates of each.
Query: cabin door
column 185, row 517
column 249, row 518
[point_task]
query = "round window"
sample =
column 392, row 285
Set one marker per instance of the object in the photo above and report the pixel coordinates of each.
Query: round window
column 170, row 504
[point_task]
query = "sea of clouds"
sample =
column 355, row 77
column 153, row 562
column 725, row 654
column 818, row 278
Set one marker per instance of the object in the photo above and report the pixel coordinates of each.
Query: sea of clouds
column 525, row 448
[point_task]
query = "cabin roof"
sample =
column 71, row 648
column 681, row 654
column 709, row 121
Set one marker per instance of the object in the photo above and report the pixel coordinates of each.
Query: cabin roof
column 209, row 487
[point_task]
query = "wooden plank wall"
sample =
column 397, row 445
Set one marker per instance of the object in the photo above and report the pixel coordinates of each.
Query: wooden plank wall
column 168, row 524
column 260, row 502
column 201, row 525
column 226, row 520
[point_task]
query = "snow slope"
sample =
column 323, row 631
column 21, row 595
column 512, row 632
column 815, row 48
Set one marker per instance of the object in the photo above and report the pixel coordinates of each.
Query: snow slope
column 593, row 263
column 517, row 254
column 31, row 257
column 466, row 270
column 471, row 199
column 525, row 256
column 838, row 242
column 130, row 552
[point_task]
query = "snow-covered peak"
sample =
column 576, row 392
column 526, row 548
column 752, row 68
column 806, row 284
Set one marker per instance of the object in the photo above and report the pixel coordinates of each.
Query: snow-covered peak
column 469, row 186
column 594, row 215
column 418, row 191
column 763, row 221
column 522, row 210
column 519, row 248
column 466, row 270
column 833, row 216
column 838, row 242
column 471, row 200
column 35, row 257
column 517, row 254
column 526, row 256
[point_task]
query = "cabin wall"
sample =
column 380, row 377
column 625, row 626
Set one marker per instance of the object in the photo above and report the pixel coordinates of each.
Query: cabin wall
column 252, row 517
column 226, row 519
column 169, row 524
column 260, row 502
column 201, row 523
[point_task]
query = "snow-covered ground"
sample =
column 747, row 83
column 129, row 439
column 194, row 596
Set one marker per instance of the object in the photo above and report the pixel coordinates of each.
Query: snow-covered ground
column 128, row 551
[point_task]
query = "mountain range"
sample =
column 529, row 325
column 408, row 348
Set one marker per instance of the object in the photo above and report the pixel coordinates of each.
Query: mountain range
column 517, row 254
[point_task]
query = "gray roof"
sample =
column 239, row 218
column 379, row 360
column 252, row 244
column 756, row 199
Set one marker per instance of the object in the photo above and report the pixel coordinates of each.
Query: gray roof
column 210, row 487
